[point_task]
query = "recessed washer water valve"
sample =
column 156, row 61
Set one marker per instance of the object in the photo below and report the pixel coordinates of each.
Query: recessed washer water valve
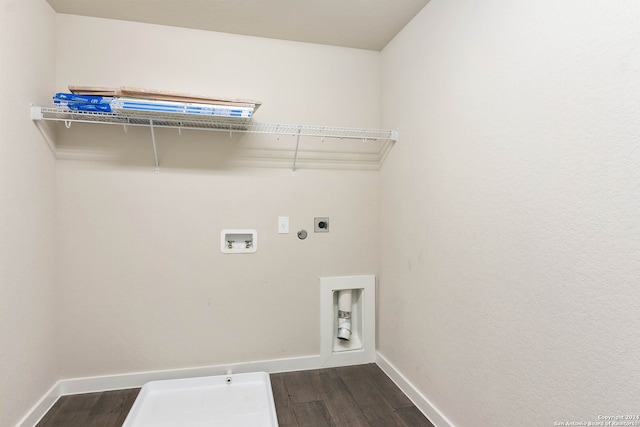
column 243, row 241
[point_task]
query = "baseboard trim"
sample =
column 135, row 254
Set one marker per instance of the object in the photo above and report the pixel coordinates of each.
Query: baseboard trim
column 39, row 410
column 422, row 403
column 138, row 379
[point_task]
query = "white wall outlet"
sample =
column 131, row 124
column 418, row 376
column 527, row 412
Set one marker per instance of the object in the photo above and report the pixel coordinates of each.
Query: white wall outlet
column 283, row 224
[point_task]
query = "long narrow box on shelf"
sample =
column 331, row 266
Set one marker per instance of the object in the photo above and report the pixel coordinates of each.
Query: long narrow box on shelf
column 160, row 95
column 150, row 105
column 168, row 105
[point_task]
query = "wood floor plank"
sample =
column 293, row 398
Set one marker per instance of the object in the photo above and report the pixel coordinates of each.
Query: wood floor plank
column 304, row 388
column 80, row 402
column 312, row 414
column 110, row 402
column 390, row 391
column 102, row 420
column 374, row 405
column 103, row 409
column 343, row 409
column 51, row 413
column 413, row 417
column 126, row 406
column 71, row 410
column 282, row 400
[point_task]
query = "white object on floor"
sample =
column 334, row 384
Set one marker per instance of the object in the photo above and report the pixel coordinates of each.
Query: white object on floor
column 238, row 400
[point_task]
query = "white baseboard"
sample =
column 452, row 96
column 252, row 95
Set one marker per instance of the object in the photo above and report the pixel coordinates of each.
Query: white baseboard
column 138, row 379
column 422, row 403
column 39, row 410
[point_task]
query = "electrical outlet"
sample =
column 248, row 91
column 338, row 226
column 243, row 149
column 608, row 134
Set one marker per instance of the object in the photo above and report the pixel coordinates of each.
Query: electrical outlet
column 321, row 224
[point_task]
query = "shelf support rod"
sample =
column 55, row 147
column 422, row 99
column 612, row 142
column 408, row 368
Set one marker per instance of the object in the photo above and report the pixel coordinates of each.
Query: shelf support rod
column 295, row 155
column 153, row 140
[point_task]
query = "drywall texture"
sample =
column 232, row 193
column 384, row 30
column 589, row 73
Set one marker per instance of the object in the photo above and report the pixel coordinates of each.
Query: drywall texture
column 143, row 283
column 27, row 210
column 510, row 237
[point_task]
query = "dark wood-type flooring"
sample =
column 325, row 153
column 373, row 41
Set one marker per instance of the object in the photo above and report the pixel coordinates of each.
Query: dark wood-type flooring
column 104, row 409
column 347, row 396
column 353, row 396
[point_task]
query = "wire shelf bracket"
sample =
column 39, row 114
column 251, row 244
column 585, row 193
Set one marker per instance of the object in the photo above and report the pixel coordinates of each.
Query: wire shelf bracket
column 155, row 149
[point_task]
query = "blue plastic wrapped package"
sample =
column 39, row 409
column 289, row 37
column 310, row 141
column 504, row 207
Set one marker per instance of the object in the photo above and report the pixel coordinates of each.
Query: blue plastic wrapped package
column 81, row 106
column 85, row 99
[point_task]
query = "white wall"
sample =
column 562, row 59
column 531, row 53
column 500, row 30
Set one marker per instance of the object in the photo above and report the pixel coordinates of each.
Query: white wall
column 143, row 284
column 28, row 366
column 510, row 244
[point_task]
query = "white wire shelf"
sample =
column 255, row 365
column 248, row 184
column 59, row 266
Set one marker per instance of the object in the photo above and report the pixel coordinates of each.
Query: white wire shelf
column 221, row 124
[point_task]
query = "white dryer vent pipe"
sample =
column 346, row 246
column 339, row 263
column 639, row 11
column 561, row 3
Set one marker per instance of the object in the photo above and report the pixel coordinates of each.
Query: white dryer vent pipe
column 344, row 314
